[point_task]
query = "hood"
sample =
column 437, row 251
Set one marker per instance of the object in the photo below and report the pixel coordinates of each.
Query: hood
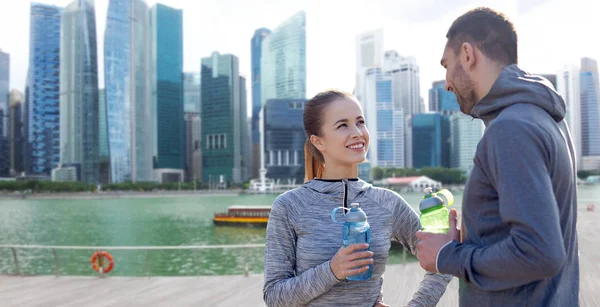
column 517, row 86
column 335, row 188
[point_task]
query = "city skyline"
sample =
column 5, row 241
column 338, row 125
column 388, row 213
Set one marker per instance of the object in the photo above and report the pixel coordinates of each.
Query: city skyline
column 144, row 97
column 330, row 57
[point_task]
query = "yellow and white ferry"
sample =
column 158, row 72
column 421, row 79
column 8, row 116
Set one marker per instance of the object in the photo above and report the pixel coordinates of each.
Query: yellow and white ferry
column 254, row 216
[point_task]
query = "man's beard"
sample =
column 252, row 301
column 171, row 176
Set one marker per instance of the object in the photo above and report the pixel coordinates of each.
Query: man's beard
column 464, row 91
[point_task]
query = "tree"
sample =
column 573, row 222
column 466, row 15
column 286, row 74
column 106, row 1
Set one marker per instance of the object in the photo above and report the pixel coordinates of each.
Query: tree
column 584, row 174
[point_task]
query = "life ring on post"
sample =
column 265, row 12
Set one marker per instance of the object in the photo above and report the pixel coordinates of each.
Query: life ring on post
column 98, row 262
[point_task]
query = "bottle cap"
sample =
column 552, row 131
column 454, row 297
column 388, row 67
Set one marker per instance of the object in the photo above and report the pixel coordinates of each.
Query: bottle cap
column 430, row 201
column 356, row 214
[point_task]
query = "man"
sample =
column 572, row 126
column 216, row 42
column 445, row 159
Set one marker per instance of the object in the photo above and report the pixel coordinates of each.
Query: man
column 519, row 240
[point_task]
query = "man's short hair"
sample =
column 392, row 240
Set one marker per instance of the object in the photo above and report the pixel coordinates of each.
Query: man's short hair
column 490, row 31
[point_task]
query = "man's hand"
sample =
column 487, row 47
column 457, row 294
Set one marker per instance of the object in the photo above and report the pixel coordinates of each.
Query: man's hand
column 430, row 243
column 381, row 304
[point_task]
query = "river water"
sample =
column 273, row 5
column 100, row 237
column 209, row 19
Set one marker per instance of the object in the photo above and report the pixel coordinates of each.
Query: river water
column 146, row 222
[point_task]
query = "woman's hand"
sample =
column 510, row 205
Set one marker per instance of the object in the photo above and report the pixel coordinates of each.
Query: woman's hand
column 345, row 262
column 381, row 304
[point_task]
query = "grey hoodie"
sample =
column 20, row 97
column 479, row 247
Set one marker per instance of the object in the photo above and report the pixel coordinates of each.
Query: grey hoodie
column 520, row 202
column 302, row 239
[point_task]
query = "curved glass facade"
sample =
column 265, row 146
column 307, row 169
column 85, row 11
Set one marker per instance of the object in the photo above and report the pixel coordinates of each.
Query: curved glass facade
column 143, row 119
column 256, row 53
column 43, row 90
column 79, row 143
column 127, row 86
column 117, row 47
column 256, row 50
column 283, row 61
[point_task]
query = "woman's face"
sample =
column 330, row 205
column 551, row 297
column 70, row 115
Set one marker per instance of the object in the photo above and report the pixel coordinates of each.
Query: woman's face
column 344, row 139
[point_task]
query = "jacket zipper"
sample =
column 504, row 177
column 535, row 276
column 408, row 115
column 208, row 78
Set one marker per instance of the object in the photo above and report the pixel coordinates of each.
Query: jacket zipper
column 345, row 181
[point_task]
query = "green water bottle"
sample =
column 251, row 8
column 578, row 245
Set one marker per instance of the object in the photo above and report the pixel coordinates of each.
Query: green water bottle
column 434, row 211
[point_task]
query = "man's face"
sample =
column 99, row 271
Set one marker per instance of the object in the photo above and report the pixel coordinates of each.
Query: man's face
column 457, row 80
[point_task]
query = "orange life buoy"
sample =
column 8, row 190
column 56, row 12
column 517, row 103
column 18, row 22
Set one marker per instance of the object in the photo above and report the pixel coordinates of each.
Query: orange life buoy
column 96, row 261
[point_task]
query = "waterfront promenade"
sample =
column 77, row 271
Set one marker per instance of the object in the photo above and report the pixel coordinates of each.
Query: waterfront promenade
column 400, row 283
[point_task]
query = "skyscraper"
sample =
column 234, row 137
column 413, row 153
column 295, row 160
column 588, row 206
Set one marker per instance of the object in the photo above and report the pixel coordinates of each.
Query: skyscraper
column 191, row 92
column 4, row 113
column 244, row 131
column 441, row 100
column 193, row 150
column 567, row 85
column 15, row 131
column 43, row 90
column 102, row 124
column 79, row 114
column 283, row 61
column 369, row 55
column 369, row 62
column 590, row 114
column 431, row 140
column 465, row 134
column 256, row 54
column 127, row 65
column 103, row 138
column 384, row 119
column 369, row 104
column 223, row 116
column 405, row 74
column 284, row 140
column 167, row 91
column 4, row 88
column 281, row 72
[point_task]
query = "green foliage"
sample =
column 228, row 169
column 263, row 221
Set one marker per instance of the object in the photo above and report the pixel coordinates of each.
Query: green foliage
column 46, row 186
column 51, row 187
column 584, row 174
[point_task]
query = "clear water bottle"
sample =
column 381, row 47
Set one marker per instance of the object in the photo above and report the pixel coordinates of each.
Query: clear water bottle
column 434, row 212
column 355, row 230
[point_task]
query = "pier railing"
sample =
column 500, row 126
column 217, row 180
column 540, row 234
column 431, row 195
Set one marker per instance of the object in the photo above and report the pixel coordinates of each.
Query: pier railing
column 14, row 249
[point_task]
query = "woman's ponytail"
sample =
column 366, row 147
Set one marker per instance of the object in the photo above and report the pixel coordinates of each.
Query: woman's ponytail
column 313, row 164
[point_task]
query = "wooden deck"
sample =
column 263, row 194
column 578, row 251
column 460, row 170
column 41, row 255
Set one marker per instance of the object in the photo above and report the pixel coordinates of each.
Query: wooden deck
column 234, row 291
column 179, row 291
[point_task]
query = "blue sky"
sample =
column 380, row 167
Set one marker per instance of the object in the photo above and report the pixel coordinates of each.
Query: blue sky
column 413, row 28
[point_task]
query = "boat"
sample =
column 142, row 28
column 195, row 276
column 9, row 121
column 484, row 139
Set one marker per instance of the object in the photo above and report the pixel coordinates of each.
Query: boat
column 253, row 216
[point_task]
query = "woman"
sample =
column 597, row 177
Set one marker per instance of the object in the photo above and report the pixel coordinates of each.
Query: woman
column 304, row 264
